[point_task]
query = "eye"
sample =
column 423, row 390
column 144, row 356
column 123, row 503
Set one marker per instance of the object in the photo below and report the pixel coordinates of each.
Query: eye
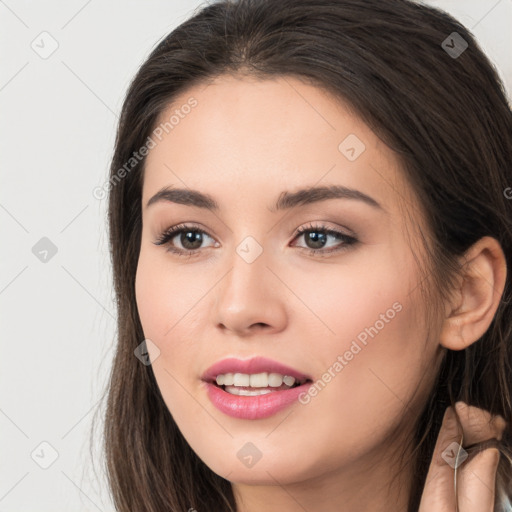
column 190, row 238
column 316, row 238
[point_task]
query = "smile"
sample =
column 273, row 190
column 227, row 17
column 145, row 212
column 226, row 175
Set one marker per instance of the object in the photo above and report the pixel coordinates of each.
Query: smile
column 253, row 394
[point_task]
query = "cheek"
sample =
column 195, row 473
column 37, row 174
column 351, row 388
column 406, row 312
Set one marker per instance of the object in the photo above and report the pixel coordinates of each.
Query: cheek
column 366, row 297
column 167, row 295
column 383, row 355
column 172, row 317
column 370, row 377
column 149, row 294
column 374, row 352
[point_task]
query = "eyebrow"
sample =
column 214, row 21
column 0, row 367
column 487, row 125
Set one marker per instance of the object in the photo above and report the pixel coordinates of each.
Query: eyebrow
column 285, row 201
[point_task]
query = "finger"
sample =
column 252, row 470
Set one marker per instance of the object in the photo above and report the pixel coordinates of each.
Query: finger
column 476, row 479
column 478, row 424
column 439, row 492
column 476, row 482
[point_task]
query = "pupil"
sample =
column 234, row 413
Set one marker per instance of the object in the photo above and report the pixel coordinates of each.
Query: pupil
column 191, row 237
column 318, row 239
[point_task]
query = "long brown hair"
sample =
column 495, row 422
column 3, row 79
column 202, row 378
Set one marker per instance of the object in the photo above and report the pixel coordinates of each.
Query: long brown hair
column 446, row 117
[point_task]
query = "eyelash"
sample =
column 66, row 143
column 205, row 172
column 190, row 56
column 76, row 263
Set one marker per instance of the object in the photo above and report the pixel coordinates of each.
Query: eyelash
column 172, row 232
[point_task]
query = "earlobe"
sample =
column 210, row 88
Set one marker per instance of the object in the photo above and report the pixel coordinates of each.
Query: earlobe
column 482, row 283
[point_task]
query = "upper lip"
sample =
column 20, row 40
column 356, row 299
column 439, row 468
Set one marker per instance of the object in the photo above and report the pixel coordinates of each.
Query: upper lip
column 250, row 366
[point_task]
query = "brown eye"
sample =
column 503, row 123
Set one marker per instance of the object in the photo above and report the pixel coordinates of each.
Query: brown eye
column 317, row 237
column 190, row 238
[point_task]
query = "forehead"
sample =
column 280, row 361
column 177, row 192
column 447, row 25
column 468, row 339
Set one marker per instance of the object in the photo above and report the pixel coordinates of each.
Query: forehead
column 256, row 137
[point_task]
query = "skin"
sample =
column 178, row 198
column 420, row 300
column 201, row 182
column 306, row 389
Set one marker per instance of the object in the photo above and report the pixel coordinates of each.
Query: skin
column 336, row 452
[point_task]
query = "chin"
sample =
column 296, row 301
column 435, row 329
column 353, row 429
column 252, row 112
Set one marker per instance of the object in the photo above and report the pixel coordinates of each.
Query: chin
column 269, row 472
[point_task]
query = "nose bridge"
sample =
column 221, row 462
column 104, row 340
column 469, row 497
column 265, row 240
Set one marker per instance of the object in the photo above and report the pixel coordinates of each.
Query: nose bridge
column 245, row 282
column 249, row 293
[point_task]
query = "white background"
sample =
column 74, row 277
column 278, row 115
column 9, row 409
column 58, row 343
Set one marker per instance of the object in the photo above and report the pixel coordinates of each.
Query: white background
column 58, row 121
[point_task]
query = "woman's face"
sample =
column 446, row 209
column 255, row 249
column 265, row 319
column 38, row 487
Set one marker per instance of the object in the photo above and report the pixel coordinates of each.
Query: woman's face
column 349, row 316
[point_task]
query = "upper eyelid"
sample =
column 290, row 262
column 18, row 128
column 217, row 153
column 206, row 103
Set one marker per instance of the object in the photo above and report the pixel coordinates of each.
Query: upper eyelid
column 324, row 226
column 320, row 226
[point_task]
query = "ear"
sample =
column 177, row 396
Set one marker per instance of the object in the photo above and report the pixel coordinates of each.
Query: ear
column 474, row 304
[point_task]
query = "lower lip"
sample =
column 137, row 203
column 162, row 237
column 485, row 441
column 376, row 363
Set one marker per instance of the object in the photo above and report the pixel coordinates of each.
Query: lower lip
column 253, row 407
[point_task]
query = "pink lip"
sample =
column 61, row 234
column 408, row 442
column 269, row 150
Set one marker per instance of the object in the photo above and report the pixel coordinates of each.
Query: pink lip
column 252, row 407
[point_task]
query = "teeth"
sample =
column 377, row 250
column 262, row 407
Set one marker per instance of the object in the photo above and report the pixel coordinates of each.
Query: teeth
column 259, row 380
column 225, row 379
column 247, row 392
column 289, row 381
column 275, row 380
column 241, row 379
column 256, row 380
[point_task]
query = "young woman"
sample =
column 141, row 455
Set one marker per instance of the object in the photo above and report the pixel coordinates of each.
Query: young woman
column 311, row 233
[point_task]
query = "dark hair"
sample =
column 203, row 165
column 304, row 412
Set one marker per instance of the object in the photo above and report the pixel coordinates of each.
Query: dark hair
column 445, row 116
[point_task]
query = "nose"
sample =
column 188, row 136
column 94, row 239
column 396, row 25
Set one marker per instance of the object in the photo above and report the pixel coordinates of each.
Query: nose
column 250, row 298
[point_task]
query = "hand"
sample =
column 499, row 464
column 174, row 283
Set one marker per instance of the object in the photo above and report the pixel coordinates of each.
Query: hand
column 476, row 476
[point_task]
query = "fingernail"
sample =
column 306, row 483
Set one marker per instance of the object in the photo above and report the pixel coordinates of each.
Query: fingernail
column 460, row 405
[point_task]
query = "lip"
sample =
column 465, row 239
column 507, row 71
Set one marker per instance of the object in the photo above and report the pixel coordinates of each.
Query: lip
column 253, row 407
